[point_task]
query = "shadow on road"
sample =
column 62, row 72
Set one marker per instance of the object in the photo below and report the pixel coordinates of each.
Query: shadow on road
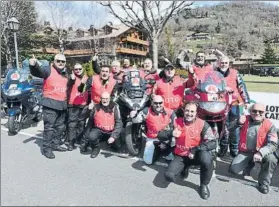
column 159, row 180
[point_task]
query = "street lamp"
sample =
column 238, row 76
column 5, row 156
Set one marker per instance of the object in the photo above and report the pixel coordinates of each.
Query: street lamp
column 14, row 26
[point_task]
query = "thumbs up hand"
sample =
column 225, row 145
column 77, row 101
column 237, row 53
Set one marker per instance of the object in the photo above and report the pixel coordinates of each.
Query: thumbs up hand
column 73, row 76
column 33, row 60
column 84, row 79
column 176, row 132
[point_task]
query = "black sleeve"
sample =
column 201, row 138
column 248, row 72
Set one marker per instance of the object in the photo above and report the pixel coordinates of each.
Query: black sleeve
column 40, row 72
column 84, row 87
column 114, row 92
column 208, row 140
column 71, row 82
column 96, row 67
column 118, row 123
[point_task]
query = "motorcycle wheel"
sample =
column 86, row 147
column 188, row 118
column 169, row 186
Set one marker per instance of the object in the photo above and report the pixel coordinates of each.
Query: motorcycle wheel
column 133, row 142
column 14, row 125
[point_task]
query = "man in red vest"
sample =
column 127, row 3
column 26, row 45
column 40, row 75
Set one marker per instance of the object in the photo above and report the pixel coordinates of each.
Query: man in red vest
column 199, row 68
column 76, row 103
column 258, row 141
column 194, row 144
column 54, row 102
column 106, row 123
column 158, row 119
column 98, row 84
column 235, row 85
column 171, row 88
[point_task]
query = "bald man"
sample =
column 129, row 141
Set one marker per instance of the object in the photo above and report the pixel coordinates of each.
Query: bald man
column 257, row 143
column 105, row 123
column 240, row 96
column 157, row 118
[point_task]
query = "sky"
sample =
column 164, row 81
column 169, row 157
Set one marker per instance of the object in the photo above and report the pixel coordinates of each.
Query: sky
column 85, row 13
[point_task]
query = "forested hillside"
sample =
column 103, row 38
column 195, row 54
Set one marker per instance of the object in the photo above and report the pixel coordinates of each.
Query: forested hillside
column 234, row 27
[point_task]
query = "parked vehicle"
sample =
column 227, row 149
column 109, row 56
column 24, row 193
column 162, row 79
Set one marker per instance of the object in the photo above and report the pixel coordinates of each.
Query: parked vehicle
column 133, row 96
column 22, row 94
column 214, row 102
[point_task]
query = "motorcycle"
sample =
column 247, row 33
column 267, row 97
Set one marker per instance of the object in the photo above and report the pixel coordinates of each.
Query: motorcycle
column 134, row 96
column 22, row 94
column 213, row 102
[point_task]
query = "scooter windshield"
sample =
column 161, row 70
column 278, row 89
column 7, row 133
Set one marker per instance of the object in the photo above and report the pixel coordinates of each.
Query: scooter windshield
column 213, row 82
column 15, row 75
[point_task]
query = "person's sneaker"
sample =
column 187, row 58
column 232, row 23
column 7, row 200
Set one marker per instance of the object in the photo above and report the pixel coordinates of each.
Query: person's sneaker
column 264, row 189
column 170, row 157
column 95, row 152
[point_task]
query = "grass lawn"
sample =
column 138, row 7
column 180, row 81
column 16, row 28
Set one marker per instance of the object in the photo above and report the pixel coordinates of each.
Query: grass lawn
column 262, row 84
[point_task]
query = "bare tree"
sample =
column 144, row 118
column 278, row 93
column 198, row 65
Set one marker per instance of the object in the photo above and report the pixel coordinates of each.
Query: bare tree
column 149, row 17
column 26, row 15
column 60, row 12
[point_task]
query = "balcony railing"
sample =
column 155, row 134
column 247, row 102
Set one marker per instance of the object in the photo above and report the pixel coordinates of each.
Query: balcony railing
column 131, row 51
column 135, row 40
column 76, row 52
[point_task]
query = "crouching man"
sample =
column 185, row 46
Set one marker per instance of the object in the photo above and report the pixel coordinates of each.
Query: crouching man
column 194, row 143
column 106, row 124
column 158, row 120
column 257, row 143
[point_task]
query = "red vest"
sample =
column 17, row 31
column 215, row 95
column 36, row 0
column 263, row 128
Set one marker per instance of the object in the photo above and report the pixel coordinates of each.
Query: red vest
column 77, row 98
column 98, row 88
column 172, row 92
column 231, row 81
column 190, row 136
column 104, row 121
column 261, row 136
column 55, row 86
column 156, row 123
column 200, row 73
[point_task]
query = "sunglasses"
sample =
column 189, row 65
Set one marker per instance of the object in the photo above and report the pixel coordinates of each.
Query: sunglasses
column 256, row 111
column 200, row 56
column 76, row 69
column 169, row 68
column 157, row 103
column 224, row 62
column 60, row 61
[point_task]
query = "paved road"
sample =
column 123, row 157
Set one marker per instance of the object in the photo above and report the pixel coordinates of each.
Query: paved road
column 28, row 178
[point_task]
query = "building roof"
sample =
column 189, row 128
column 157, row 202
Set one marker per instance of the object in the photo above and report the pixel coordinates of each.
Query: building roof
column 121, row 28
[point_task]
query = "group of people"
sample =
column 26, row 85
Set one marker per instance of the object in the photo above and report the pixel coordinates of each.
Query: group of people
column 87, row 105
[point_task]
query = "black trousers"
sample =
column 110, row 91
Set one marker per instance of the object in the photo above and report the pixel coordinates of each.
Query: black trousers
column 54, row 127
column 202, row 158
column 96, row 135
column 76, row 124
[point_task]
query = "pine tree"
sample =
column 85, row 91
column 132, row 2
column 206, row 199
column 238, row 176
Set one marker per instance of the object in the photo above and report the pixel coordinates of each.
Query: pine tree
column 269, row 56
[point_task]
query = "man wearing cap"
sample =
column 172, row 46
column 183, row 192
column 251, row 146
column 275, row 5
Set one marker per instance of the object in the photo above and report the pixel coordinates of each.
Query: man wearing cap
column 54, row 102
column 76, row 103
column 171, row 88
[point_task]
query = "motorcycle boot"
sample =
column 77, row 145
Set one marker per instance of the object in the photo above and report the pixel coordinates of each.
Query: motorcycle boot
column 47, row 152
